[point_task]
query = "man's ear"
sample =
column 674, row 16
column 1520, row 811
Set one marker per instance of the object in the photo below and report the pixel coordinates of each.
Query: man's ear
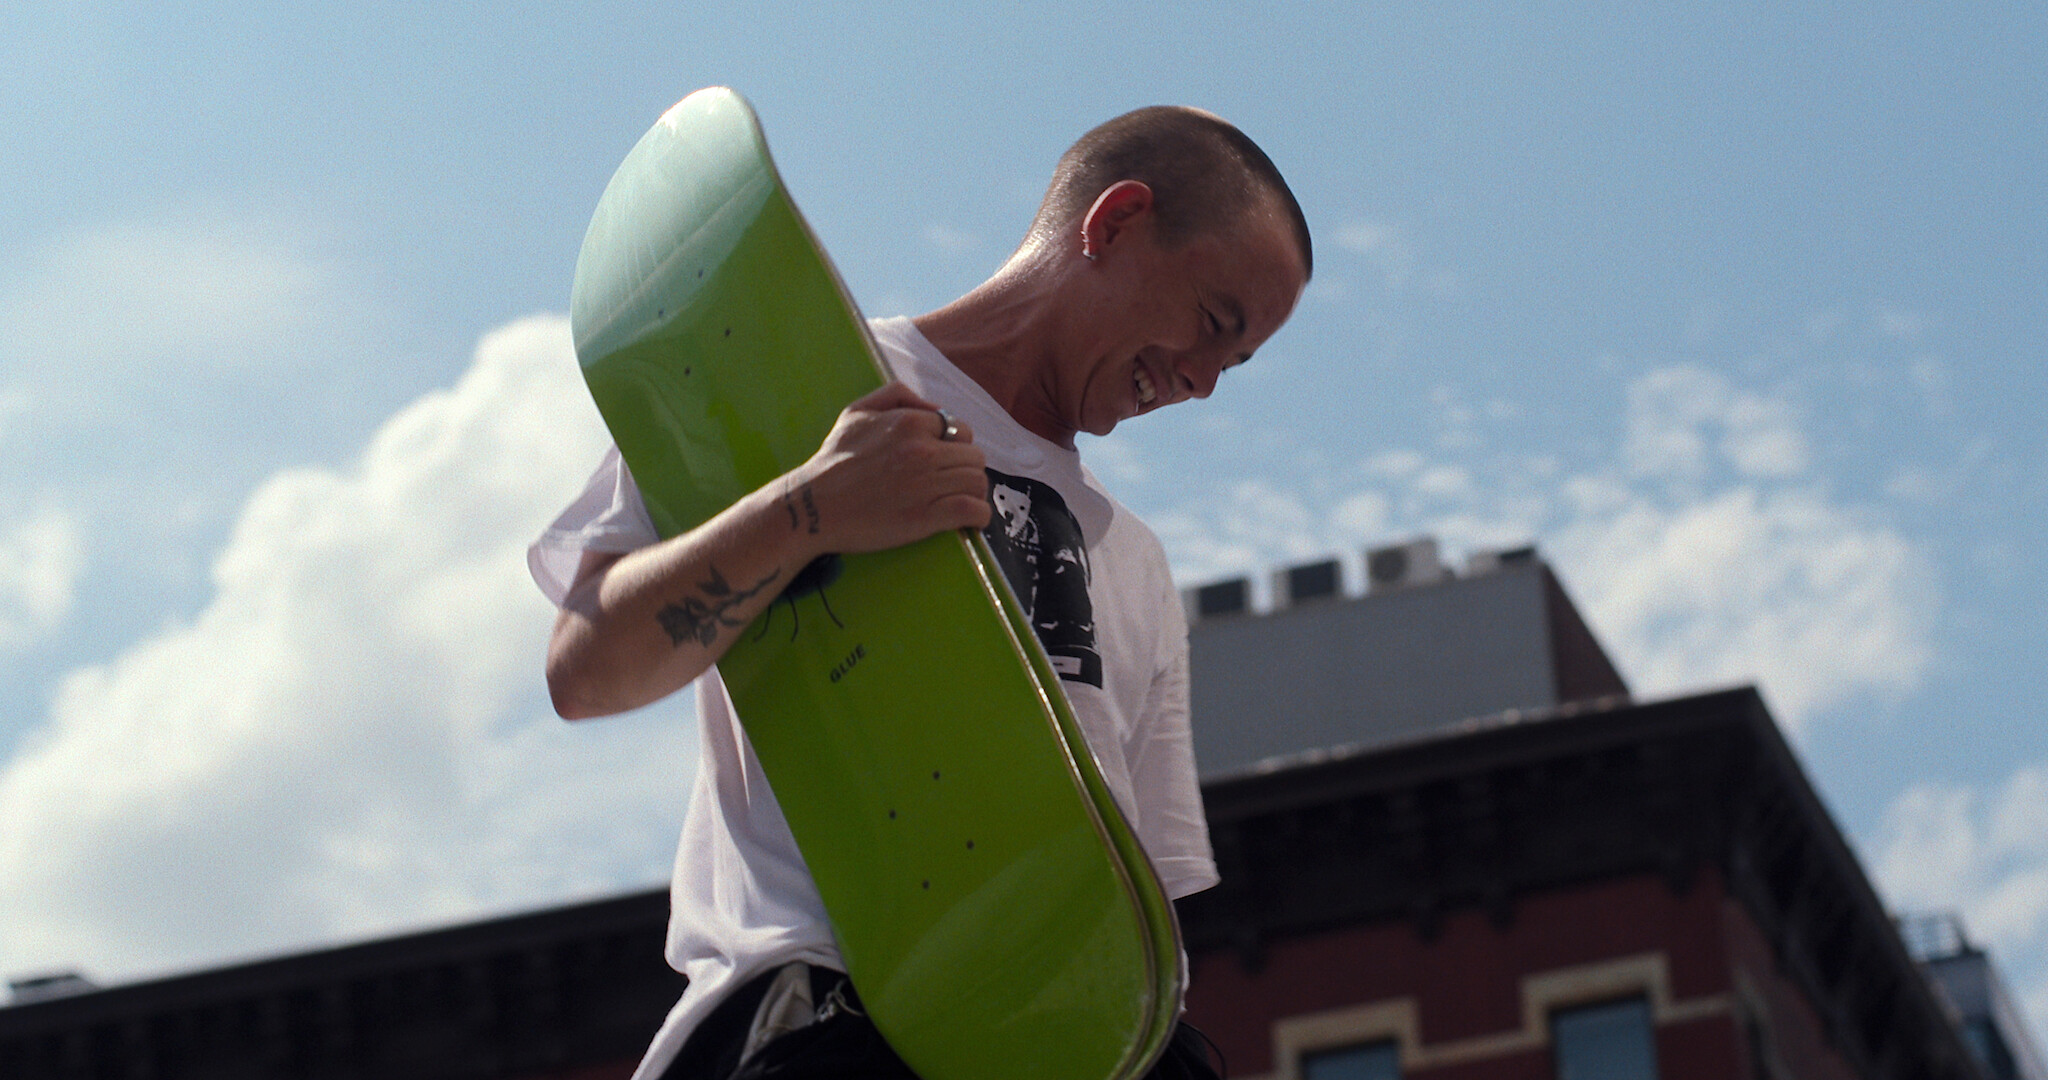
column 1121, row 206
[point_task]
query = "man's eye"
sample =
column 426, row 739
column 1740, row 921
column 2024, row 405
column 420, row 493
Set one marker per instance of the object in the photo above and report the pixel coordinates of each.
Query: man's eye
column 1209, row 317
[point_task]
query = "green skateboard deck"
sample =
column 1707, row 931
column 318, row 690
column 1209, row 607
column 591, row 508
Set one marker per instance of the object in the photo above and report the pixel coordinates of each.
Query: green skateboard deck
column 992, row 905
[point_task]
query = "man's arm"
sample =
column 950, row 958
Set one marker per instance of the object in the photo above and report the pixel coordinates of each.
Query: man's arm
column 635, row 628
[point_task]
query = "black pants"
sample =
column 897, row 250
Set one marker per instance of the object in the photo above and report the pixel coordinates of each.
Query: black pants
column 845, row 1045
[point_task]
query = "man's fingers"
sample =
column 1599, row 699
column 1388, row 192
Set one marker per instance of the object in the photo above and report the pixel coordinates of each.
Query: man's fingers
column 954, row 456
column 962, row 511
column 970, row 500
column 913, row 412
column 895, row 469
column 954, row 429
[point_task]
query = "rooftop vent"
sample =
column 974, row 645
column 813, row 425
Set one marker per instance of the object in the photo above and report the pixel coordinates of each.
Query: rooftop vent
column 1487, row 562
column 1932, row 936
column 1309, row 581
column 36, row 988
column 1401, row 566
column 1231, row 597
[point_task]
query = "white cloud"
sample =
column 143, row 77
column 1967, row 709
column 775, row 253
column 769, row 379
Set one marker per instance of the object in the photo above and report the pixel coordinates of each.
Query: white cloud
column 1984, row 854
column 152, row 371
column 202, row 292
column 1917, row 483
column 1930, row 377
column 1250, row 527
column 350, row 737
column 1324, row 291
column 1371, row 238
column 1112, row 457
column 1394, row 464
column 14, row 401
column 1386, row 250
column 1700, row 552
column 40, row 560
column 1814, row 600
column 949, row 239
column 1684, row 420
column 1893, row 322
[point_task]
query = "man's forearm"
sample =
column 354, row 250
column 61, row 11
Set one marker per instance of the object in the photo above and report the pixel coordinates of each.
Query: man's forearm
column 643, row 625
column 638, row 627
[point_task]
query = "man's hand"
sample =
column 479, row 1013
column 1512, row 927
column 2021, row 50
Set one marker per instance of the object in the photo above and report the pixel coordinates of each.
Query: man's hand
column 885, row 478
column 638, row 627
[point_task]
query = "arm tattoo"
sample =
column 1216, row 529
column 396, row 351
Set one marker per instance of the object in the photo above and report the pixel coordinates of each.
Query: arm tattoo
column 699, row 619
column 789, row 499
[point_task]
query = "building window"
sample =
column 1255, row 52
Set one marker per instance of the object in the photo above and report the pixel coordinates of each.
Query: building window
column 1369, row 1061
column 1609, row 1041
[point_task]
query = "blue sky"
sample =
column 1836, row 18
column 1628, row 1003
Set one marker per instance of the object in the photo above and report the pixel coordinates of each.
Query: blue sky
column 1735, row 311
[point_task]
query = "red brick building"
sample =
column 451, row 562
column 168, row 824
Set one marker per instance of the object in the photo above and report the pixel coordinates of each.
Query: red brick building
column 1440, row 906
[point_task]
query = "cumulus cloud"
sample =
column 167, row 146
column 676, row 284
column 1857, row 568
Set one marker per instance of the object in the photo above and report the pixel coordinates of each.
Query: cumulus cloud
column 1385, row 249
column 206, row 290
column 40, row 559
column 1817, row 601
column 153, row 370
column 1895, row 322
column 14, row 401
column 350, row 737
column 949, row 239
column 1682, row 421
column 1984, row 854
column 1701, row 550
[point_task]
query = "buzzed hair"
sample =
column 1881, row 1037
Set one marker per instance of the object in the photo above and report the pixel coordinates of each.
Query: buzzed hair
column 1204, row 174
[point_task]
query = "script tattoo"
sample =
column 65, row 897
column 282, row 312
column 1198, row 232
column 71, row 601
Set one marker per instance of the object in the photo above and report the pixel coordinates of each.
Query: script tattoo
column 699, row 619
column 810, row 507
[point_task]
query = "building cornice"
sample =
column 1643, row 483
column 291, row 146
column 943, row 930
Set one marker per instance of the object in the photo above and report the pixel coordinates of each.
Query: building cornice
column 1476, row 816
column 518, row 996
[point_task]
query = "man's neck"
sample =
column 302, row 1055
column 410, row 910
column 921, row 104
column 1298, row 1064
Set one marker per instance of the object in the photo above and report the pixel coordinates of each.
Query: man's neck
column 1003, row 335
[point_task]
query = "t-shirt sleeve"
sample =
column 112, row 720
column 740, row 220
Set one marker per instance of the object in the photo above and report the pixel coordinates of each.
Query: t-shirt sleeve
column 1178, row 839
column 608, row 516
column 1174, row 828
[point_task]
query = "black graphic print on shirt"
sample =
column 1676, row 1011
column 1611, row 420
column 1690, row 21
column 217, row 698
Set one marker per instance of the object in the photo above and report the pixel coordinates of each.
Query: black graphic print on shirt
column 1037, row 541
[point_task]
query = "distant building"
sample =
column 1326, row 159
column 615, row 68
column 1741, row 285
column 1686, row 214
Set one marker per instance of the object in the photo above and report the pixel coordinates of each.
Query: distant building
column 1453, row 847
column 573, row 993
column 48, row 987
column 1991, row 1022
column 1423, row 650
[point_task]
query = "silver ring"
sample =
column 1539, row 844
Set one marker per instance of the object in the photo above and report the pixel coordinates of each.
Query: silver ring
column 949, row 428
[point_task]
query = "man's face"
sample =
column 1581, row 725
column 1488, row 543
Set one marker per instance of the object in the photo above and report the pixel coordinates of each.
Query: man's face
column 1170, row 321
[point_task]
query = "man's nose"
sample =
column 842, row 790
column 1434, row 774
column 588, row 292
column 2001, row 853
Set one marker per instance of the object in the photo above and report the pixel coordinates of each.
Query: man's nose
column 1199, row 374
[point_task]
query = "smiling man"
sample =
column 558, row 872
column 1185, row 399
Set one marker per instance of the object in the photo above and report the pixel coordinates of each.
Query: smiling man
column 1167, row 249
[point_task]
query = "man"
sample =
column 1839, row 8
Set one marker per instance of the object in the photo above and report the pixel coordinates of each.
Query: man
column 1166, row 250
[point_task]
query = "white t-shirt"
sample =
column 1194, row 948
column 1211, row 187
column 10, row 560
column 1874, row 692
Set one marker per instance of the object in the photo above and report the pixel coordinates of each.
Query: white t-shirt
column 1096, row 582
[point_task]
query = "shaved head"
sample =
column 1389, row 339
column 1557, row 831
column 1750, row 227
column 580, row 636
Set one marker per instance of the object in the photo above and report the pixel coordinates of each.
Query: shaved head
column 1204, row 173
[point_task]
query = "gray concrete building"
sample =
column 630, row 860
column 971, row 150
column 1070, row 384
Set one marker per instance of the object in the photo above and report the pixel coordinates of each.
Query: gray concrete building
column 1420, row 649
